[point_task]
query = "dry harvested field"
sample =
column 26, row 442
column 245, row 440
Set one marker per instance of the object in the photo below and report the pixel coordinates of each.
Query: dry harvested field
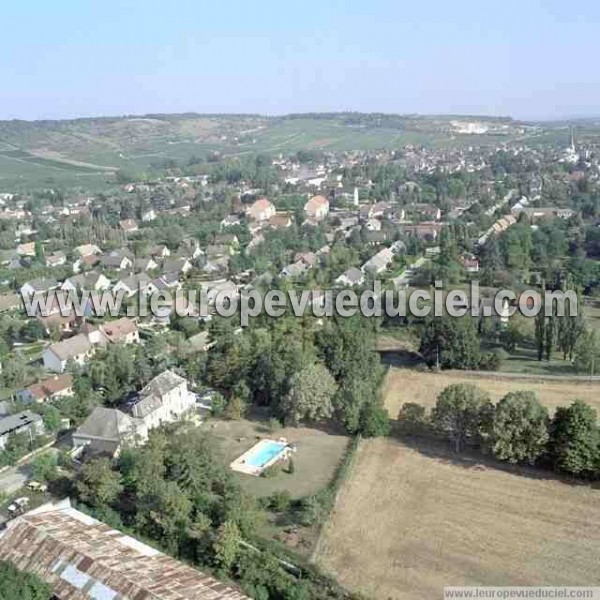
column 405, row 385
column 410, row 520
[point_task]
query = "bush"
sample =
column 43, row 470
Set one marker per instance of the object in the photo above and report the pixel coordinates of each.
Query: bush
column 291, row 467
column 218, row 405
column 280, row 501
column 271, row 471
column 374, row 421
column 235, row 409
column 274, row 424
column 413, row 418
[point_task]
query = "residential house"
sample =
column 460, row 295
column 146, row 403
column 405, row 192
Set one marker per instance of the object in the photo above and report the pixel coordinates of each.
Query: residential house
column 122, row 331
column 317, row 208
column 310, row 259
column 261, row 210
column 217, row 250
column 379, row 263
column 160, row 251
column 144, row 264
column 140, row 282
column 56, row 260
column 91, row 281
column 107, row 429
column 471, row 264
column 128, row 225
column 227, row 239
column 21, row 422
column 167, row 281
column 87, row 250
column 427, row 232
column 229, row 221
column 425, row 212
column 280, row 221
column 79, row 557
column 190, row 248
column 49, row 389
column 164, row 400
column 181, row 266
column 117, row 260
column 148, row 215
column 350, row 278
column 27, row 249
column 85, row 262
column 295, row 269
column 77, row 348
column 39, row 286
column 373, row 225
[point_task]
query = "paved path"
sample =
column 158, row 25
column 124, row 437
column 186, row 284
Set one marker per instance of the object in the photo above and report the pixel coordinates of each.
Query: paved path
column 14, row 478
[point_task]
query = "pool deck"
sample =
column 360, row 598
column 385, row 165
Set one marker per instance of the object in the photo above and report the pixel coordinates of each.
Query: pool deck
column 241, row 464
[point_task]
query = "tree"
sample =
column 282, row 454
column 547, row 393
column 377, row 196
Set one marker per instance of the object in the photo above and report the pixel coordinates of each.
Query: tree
column 17, row 445
column 587, row 353
column 451, row 342
column 519, row 428
column 374, row 421
column 460, row 412
column 227, row 545
column 43, row 467
column 97, row 484
column 310, row 395
column 163, row 513
column 14, row 371
column 21, row 585
column 52, row 418
column 575, row 439
column 540, row 333
column 511, row 337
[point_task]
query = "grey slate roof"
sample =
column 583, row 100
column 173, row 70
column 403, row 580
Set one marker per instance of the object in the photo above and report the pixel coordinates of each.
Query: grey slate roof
column 162, row 384
column 107, row 424
column 12, row 423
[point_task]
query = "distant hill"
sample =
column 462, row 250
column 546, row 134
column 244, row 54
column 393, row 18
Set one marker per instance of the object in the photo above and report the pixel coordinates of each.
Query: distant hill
column 88, row 151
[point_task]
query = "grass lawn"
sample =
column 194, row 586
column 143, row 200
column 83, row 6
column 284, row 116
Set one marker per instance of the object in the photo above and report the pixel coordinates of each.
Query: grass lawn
column 318, row 455
column 412, row 519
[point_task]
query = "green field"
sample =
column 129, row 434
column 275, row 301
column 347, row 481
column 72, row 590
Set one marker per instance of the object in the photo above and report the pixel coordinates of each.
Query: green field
column 82, row 152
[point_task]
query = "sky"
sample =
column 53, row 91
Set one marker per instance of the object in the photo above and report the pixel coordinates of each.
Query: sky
column 532, row 59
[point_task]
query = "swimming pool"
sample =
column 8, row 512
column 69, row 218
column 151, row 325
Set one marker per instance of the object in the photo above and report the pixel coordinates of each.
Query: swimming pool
column 260, row 456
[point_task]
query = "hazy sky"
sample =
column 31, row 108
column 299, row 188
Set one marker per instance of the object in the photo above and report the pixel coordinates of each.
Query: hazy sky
column 528, row 59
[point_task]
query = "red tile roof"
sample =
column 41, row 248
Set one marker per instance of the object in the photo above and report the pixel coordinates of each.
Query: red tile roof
column 76, row 554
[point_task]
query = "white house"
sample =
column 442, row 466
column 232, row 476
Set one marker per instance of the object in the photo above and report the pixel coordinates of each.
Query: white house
column 351, row 277
column 86, row 281
column 163, row 400
column 261, row 210
column 121, row 330
column 77, row 348
column 379, row 263
column 317, row 208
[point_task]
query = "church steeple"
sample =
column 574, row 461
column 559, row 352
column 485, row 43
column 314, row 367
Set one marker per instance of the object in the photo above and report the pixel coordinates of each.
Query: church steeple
column 572, row 146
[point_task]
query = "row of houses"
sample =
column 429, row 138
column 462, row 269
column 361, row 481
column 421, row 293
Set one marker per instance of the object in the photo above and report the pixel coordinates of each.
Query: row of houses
column 81, row 346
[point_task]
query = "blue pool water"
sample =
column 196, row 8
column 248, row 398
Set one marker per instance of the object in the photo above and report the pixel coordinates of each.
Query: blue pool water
column 265, row 452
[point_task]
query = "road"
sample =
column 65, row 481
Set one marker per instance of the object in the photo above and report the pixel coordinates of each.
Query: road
column 14, row 478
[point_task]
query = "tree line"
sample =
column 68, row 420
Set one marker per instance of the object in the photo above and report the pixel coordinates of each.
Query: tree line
column 517, row 429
